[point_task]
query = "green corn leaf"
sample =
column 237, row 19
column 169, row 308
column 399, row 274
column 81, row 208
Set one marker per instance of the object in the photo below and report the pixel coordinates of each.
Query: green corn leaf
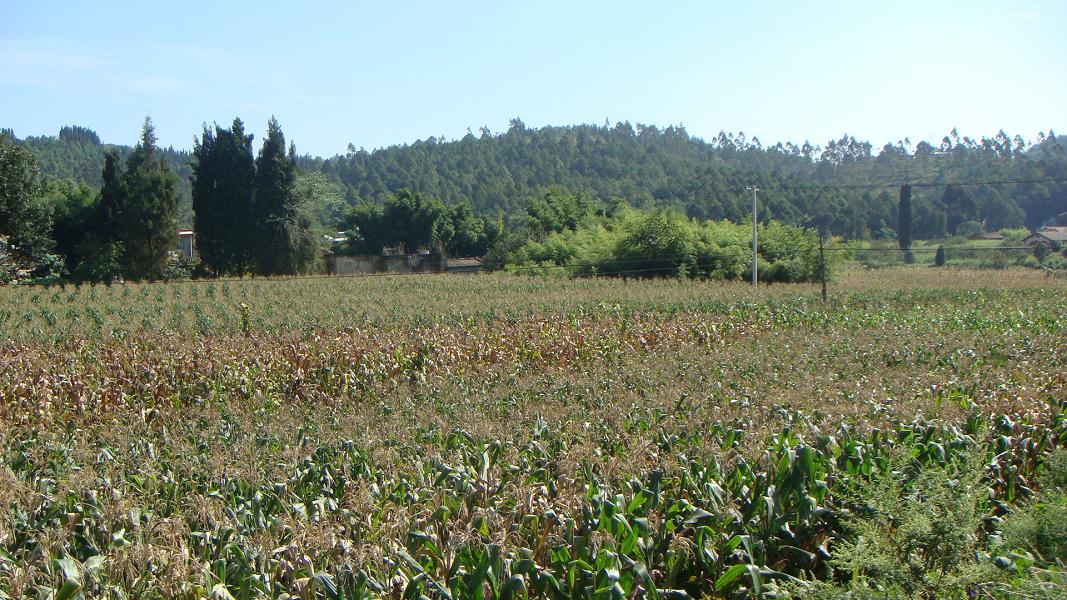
column 727, row 579
column 69, row 588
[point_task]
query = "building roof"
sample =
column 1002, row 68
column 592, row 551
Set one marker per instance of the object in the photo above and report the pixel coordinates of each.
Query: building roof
column 986, row 236
column 1055, row 234
column 461, row 263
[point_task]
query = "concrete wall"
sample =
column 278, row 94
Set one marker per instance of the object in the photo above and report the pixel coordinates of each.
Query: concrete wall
column 365, row 264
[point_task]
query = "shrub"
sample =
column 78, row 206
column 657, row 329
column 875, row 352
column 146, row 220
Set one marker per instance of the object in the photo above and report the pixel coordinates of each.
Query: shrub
column 1040, row 527
column 914, row 534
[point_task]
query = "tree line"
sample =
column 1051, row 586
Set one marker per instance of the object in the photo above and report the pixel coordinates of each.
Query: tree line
column 269, row 213
column 849, row 183
column 252, row 215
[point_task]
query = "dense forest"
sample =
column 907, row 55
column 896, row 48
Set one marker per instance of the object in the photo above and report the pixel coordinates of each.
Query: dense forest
column 850, row 186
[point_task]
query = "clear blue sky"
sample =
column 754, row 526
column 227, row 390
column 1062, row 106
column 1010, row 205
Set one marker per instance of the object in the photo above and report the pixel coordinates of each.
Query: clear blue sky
column 383, row 73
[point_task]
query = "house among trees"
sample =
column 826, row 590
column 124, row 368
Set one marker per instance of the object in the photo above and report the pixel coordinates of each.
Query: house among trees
column 186, row 242
column 1049, row 236
column 392, row 259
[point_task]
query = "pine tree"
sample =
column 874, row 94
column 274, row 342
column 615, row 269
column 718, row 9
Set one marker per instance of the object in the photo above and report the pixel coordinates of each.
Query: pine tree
column 146, row 219
column 223, row 212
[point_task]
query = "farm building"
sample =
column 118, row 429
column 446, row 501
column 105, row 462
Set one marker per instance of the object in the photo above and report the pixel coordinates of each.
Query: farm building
column 464, row 265
column 989, row 235
column 187, row 243
column 1049, row 236
column 398, row 260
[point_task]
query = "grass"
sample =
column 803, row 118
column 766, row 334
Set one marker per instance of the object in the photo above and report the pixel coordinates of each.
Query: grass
column 506, row 436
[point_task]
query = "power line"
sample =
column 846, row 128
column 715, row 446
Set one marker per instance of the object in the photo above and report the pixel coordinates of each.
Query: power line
column 926, row 184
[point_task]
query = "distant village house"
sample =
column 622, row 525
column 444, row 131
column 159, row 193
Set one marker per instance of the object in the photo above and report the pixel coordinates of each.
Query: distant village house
column 1049, row 236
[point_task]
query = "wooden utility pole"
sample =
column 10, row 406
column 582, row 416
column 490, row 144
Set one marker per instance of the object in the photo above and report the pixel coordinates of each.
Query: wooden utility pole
column 755, row 237
column 822, row 266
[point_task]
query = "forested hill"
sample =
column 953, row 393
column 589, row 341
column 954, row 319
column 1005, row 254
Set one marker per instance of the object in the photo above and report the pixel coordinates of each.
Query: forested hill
column 848, row 183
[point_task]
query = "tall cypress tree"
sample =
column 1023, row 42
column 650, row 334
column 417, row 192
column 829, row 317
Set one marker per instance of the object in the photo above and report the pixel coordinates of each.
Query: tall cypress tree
column 904, row 222
column 284, row 243
column 223, row 212
column 112, row 197
column 147, row 214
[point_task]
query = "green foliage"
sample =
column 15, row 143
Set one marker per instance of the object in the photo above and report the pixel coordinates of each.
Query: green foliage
column 75, row 207
column 285, row 240
column 415, row 222
column 668, row 167
column 100, row 261
column 138, row 208
column 557, row 211
column 904, row 218
column 969, row 228
column 224, row 215
column 77, row 154
column 74, row 134
column 647, row 165
column 662, row 242
column 1039, row 528
column 325, row 199
column 915, row 529
column 25, row 218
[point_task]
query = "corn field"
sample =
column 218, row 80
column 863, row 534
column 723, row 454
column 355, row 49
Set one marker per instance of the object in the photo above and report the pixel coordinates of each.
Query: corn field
column 511, row 437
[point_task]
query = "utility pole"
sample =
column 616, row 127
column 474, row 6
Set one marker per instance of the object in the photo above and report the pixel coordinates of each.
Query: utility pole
column 755, row 268
column 822, row 267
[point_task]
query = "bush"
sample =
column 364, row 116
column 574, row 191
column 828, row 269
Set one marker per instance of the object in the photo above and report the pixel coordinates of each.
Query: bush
column 663, row 243
column 102, row 262
column 914, row 535
column 1040, row 527
column 969, row 228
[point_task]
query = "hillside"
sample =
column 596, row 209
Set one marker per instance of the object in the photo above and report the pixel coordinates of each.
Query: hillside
column 846, row 183
column 77, row 153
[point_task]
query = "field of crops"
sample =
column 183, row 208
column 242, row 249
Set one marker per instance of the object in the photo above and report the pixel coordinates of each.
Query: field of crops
column 504, row 437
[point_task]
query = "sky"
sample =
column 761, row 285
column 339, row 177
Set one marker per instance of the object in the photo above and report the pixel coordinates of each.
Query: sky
column 377, row 74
